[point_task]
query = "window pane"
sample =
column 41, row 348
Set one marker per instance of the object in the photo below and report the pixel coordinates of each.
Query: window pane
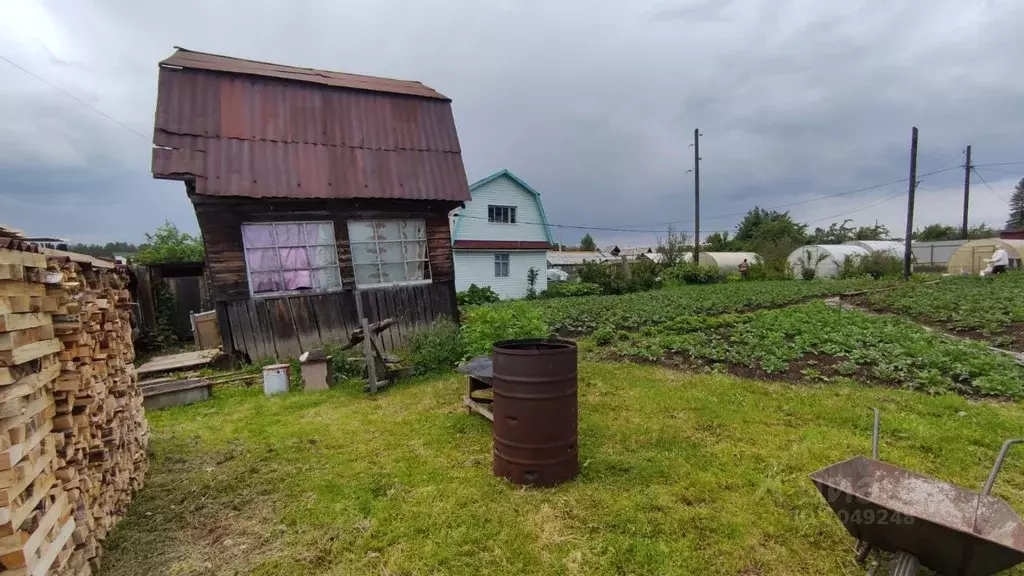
column 512, row 214
column 289, row 234
column 388, row 230
column 327, row 279
column 319, row 233
column 360, row 230
column 413, row 229
column 262, row 259
column 298, row 280
column 322, row 256
column 257, row 235
column 415, row 250
column 266, row 282
column 293, row 258
column 390, row 252
column 416, row 270
column 364, row 253
column 393, row 272
column 366, row 274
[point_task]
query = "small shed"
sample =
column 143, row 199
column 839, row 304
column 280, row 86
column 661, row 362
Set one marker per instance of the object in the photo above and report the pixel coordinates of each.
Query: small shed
column 971, row 257
column 831, row 256
column 893, row 247
column 321, row 196
column 727, row 262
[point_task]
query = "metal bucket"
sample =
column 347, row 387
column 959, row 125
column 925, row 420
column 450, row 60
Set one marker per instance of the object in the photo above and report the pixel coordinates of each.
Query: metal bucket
column 535, row 411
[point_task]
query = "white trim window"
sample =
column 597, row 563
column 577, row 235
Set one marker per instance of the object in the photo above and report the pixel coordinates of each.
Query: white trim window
column 501, row 263
column 389, row 252
column 501, row 214
column 289, row 257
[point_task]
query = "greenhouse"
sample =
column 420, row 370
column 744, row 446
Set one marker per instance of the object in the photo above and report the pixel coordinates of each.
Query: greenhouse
column 894, row 247
column 727, row 262
column 970, row 258
column 824, row 258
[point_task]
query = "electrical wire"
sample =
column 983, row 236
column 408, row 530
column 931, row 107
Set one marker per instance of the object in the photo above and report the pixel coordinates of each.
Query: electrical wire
column 80, row 101
column 983, row 181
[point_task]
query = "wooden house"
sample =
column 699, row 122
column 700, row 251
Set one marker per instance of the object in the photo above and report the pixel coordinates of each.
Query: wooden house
column 500, row 235
column 320, row 196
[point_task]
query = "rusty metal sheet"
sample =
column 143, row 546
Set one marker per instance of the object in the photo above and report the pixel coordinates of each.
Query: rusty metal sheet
column 185, row 58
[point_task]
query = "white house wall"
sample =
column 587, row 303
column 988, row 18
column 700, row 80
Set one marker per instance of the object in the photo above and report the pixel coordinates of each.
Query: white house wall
column 502, row 191
column 477, row 267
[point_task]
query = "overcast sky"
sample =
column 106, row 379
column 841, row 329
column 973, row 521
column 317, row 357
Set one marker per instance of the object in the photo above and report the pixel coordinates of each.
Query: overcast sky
column 592, row 102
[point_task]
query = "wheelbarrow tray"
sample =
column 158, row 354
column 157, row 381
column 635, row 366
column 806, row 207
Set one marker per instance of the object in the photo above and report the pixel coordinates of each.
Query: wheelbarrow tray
column 894, row 509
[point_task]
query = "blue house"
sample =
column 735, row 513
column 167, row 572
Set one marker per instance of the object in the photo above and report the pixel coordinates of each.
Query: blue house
column 499, row 235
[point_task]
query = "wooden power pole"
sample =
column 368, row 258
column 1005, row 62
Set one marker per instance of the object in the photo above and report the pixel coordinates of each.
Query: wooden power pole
column 907, row 253
column 967, row 188
column 696, row 195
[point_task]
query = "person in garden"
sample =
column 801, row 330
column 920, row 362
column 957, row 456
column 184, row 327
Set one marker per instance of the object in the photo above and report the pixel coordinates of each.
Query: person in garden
column 744, row 266
column 999, row 260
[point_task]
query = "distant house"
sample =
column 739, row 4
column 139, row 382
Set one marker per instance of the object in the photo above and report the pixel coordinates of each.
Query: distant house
column 570, row 260
column 630, row 252
column 322, row 197
column 499, row 235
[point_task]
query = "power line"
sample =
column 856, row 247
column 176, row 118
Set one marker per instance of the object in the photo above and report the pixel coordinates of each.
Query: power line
column 1015, row 172
column 80, row 101
column 999, row 164
column 989, row 187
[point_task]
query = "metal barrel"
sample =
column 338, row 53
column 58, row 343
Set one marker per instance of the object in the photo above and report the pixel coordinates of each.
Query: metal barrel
column 535, row 411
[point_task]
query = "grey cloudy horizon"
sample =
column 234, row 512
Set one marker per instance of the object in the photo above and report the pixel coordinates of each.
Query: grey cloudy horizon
column 592, row 103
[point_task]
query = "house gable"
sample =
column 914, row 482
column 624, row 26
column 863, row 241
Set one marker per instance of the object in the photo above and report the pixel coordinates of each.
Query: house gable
column 471, row 225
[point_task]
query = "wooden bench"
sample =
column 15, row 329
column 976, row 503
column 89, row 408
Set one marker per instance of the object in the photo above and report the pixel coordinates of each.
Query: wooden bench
column 481, row 373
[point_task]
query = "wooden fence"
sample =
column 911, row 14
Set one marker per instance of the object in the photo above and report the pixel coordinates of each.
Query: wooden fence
column 285, row 327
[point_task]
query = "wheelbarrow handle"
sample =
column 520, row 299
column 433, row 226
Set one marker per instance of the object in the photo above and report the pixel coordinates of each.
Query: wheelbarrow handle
column 998, row 465
column 874, row 434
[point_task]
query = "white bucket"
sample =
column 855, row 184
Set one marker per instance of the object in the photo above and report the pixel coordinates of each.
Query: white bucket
column 275, row 379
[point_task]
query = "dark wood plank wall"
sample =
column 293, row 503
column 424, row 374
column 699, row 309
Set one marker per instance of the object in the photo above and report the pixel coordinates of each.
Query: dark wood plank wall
column 282, row 327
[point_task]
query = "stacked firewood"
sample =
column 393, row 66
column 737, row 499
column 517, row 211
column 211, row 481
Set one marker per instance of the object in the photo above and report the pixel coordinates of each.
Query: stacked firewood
column 74, row 432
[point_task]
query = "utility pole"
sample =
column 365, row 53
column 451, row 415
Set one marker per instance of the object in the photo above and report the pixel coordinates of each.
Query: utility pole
column 696, row 195
column 967, row 188
column 907, row 253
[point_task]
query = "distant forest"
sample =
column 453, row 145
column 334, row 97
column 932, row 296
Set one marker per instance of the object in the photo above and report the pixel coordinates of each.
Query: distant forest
column 104, row 250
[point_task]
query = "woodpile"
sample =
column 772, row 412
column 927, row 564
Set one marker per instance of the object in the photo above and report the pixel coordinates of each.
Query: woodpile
column 72, row 431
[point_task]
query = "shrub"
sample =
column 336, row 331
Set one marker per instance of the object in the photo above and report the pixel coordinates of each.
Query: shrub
column 531, row 283
column 643, row 275
column 486, row 325
column 565, row 289
column 771, row 269
column 691, row 273
column 808, row 263
column 475, row 295
column 880, row 265
column 436, row 348
column 593, row 273
column 604, row 336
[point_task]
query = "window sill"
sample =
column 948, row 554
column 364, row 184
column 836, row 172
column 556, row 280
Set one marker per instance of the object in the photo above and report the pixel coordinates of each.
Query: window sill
column 283, row 294
column 393, row 284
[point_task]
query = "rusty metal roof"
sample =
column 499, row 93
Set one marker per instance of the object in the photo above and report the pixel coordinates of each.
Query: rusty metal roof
column 185, row 58
column 266, row 136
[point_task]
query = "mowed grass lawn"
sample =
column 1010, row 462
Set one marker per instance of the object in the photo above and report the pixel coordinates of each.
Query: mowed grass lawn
column 682, row 474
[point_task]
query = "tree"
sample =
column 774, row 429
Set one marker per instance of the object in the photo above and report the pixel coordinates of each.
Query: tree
column 835, row 234
column 1016, row 219
column 937, row 232
column 673, row 248
column 719, row 242
column 104, row 250
column 169, row 245
column 587, row 243
column 876, row 232
column 760, row 226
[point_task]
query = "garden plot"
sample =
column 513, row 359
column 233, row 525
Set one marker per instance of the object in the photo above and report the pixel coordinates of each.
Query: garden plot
column 817, row 343
column 989, row 309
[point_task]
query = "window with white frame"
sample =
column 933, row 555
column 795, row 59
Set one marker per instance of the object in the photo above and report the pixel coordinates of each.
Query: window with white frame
column 501, row 214
column 290, row 256
column 501, row 265
column 389, row 252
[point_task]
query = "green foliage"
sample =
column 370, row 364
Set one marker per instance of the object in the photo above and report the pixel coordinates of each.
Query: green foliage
column 760, row 226
column 169, row 245
column 673, row 249
column 845, row 232
column 475, row 295
column 773, row 269
column 485, row 325
column 106, row 251
column 1015, row 220
column 691, row 273
column 604, row 335
column 885, row 350
column 808, row 263
column 565, row 289
column 880, row 264
column 719, row 242
column 643, row 275
column 593, row 273
column 531, row 283
column 938, row 232
column 587, row 243
column 165, row 337
column 436, row 348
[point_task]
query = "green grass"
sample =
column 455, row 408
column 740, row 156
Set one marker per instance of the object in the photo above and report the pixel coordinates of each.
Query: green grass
column 987, row 305
column 815, row 341
column 585, row 314
column 682, row 474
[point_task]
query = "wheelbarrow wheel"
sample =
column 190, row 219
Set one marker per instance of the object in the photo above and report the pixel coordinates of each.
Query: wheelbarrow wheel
column 904, row 564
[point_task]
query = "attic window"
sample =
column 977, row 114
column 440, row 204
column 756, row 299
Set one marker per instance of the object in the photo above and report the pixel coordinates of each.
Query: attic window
column 501, row 214
column 389, row 252
column 289, row 257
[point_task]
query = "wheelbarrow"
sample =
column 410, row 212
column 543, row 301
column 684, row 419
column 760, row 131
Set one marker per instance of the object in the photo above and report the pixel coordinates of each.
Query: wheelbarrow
column 921, row 520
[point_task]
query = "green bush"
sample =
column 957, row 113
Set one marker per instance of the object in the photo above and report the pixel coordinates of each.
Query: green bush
column 604, row 336
column 774, row 269
column 485, row 325
column 643, row 275
column 691, row 273
column 475, row 295
column 565, row 289
column 808, row 273
column 436, row 348
column 881, row 265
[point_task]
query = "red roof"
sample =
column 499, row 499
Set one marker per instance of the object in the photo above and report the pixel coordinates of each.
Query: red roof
column 242, row 128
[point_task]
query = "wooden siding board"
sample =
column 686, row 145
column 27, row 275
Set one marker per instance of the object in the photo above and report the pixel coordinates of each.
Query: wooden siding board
column 259, row 338
column 236, row 331
column 224, row 323
column 262, row 315
column 283, row 328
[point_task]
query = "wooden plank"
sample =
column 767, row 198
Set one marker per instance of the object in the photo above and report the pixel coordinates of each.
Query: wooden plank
column 18, row 555
column 10, row 322
column 224, row 325
column 11, row 456
column 252, row 324
column 19, row 338
column 12, row 288
column 9, row 494
column 283, row 328
column 29, row 383
column 263, row 321
column 29, row 352
column 178, row 361
column 47, row 558
column 237, row 341
column 348, row 311
column 305, row 328
column 245, row 338
column 30, row 410
column 22, row 258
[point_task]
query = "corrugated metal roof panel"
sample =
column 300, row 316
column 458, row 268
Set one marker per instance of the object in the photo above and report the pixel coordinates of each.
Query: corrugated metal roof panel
column 185, row 58
column 574, row 258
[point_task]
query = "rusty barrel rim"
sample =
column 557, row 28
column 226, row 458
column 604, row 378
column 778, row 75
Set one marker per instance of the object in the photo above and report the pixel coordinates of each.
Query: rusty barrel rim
column 532, row 346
